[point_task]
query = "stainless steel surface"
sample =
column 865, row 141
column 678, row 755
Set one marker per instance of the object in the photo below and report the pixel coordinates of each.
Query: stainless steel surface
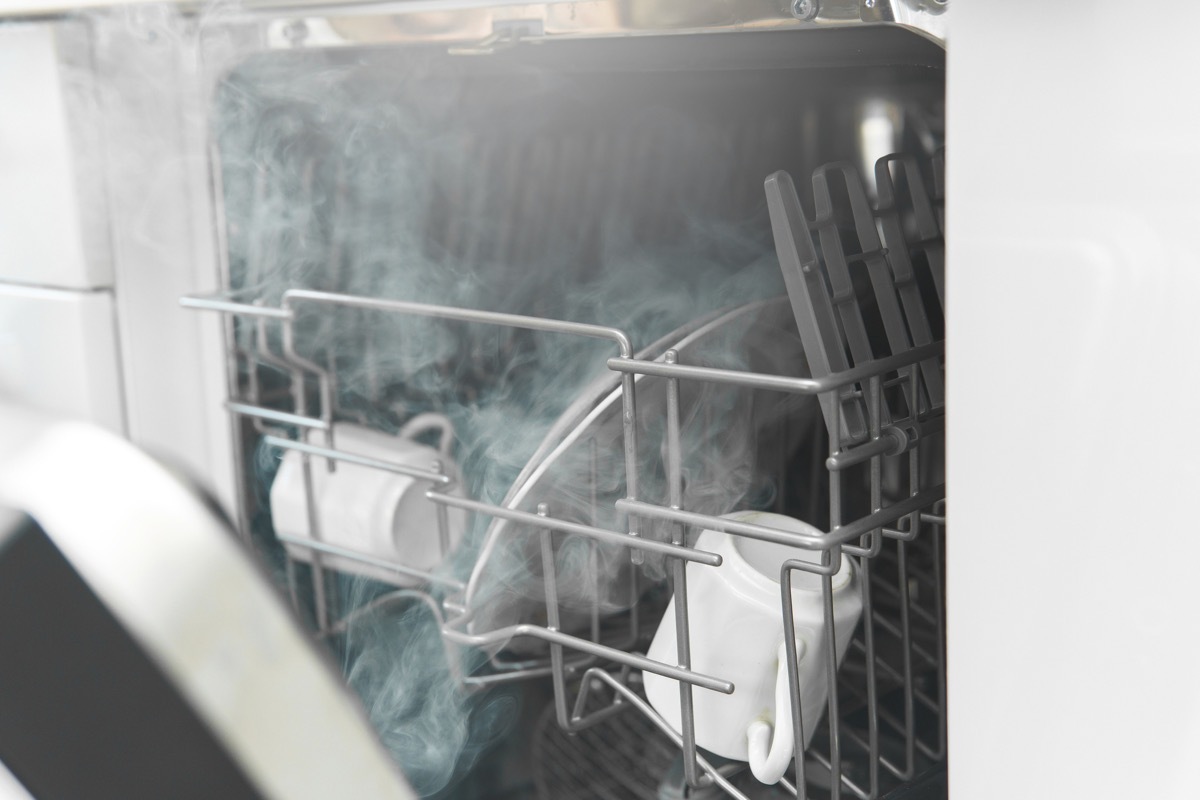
column 880, row 530
column 474, row 27
column 871, row 523
column 485, row 26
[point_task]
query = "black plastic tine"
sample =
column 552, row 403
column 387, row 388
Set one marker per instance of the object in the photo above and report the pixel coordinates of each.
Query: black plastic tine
column 837, row 266
column 900, row 258
column 938, row 265
column 823, row 346
column 837, row 270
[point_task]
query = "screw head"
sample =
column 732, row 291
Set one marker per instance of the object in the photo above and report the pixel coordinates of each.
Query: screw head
column 804, row 9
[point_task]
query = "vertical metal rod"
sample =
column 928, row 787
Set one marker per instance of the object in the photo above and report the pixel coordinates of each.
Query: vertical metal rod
column 236, row 429
column 914, row 454
column 594, row 546
column 835, row 723
column 684, row 656
column 263, row 343
column 875, row 406
column 835, row 476
column 253, row 385
column 835, row 522
column 691, row 769
column 939, row 615
column 636, row 557
column 872, row 697
column 550, row 581
column 333, row 598
column 674, row 449
column 914, row 487
column 629, row 426
column 314, row 529
column 253, row 389
column 635, row 594
column 297, row 365
column 875, row 398
column 310, row 501
column 793, row 668
column 443, row 515
column 906, row 655
column 326, row 386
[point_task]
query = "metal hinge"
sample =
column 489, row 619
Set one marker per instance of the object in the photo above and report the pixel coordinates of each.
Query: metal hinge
column 505, row 33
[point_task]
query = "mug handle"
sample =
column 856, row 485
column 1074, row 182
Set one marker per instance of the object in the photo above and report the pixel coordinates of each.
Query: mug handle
column 770, row 746
column 430, row 421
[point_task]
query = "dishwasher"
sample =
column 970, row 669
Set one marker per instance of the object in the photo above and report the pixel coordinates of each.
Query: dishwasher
column 578, row 373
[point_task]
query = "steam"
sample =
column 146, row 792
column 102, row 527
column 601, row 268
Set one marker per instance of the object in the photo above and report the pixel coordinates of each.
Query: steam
column 388, row 174
column 381, row 178
column 397, row 664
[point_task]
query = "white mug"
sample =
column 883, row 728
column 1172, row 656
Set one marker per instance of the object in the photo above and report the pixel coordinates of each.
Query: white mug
column 370, row 511
column 735, row 616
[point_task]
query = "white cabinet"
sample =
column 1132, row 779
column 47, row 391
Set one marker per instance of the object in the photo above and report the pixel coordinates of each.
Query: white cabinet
column 51, row 187
column 58, row 352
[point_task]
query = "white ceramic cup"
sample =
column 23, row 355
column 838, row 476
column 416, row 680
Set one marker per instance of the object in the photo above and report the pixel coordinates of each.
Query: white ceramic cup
column 736, row 625
column 370, row 511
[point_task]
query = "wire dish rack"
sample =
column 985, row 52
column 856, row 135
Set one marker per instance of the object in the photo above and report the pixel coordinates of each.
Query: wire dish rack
column 865, row 285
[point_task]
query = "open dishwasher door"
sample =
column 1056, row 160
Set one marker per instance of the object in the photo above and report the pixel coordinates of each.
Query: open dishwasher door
column 141, row 653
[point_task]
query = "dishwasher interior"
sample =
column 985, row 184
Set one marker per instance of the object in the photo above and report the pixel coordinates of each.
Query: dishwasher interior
column 571, row 277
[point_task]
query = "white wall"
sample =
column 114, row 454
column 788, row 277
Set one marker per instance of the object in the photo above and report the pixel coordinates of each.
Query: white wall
column 1074, row 607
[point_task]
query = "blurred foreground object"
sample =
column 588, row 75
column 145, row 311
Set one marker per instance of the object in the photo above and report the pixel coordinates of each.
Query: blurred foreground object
column 142, row 654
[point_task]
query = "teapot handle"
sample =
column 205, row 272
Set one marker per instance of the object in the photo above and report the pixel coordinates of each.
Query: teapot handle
column 430, row 421
column 770, row 746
